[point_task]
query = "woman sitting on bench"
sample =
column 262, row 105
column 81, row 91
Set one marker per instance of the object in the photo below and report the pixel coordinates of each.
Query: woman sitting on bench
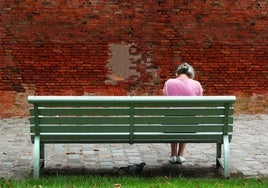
column 182, row 85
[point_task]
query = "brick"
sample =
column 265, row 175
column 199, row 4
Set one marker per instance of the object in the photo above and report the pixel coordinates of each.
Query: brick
column 57, row 48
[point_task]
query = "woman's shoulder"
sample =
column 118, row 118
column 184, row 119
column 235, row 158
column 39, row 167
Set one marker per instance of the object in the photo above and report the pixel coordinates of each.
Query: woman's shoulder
column 196, row 82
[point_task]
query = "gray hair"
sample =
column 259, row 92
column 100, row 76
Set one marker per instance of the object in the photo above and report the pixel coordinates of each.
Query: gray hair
column 187, row 69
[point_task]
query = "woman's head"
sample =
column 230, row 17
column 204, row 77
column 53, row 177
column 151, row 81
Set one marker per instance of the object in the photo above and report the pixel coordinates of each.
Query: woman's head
column 187, row 69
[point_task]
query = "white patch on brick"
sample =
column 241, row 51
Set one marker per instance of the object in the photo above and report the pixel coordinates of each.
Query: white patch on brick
column 121, row 64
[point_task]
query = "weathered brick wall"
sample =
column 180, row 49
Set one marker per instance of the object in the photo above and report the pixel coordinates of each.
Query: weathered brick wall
column 123, row 47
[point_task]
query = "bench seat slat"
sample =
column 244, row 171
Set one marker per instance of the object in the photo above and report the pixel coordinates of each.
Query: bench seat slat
column 180, row 128
column 136, row 104
column 137, row 120
column 76, row 128
column 80, row 111
column 125, row 111
column 181, row 111
column 125, row 128
column 141, row 141
column 128, row 99
column 76, row 138
column 82, row 120
column 179, row 136
column 146, row 101
column 180, row 120
column 159, row 138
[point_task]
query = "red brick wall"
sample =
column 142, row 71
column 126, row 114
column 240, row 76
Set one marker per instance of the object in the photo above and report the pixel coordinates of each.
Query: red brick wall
column 123, row 47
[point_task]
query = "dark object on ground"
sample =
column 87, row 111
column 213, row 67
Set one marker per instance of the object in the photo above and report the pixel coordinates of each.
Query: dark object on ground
column 132, row 169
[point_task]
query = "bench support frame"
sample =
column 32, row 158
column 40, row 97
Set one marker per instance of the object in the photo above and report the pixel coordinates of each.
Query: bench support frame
column 225, row 163
column 39, row 157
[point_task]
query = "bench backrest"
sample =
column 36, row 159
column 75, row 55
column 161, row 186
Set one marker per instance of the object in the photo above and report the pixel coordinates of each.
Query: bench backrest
column 131, row 119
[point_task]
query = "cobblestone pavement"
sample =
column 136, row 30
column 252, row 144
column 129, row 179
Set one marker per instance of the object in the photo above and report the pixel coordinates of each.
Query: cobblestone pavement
column 249, row 149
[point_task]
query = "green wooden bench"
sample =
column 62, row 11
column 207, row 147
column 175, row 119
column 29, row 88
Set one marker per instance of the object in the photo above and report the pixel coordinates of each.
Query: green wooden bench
column 131, row 119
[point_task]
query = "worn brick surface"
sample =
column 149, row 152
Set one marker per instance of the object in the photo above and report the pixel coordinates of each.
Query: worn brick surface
column 67, row 47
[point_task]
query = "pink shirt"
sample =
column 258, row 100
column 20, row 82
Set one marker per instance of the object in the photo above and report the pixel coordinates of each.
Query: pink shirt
column 182, row 87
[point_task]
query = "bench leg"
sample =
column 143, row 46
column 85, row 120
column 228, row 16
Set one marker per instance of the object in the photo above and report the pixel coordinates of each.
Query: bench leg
column 218, row 155
column 226, row 156
column 225, row 164
column 42, row 155
column 36, row 156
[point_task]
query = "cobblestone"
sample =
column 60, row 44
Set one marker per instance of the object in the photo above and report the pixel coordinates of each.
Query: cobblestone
column 249, row 157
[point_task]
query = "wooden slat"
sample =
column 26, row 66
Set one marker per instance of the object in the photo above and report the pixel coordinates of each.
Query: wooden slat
column 216, row 136
column 125, row 111
column 178, row 120
column 80, row 111
column 169, row 140
column 181, row 111
column 165, row 120
column 81, row 129
column 119, row 100
column 82, row 120
column 125, row 128
column 136, row 104
column 180, row 128
column 157, row 138
column 77, row 137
